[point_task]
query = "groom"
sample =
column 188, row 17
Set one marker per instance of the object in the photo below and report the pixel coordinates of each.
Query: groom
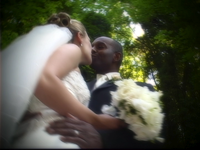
column 107, row 55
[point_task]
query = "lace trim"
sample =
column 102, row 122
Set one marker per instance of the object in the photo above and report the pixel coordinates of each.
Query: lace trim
column 76, row 84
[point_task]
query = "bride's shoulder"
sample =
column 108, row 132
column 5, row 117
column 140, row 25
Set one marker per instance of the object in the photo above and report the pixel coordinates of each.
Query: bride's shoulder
column 70, row 49
column 69, row 46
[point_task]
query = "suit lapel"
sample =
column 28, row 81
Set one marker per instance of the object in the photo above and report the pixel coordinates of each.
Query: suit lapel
column 104, row 85
column 91, row 84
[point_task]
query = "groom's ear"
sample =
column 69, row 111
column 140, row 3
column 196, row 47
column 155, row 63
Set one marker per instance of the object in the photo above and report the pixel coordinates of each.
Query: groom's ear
column 117, row 56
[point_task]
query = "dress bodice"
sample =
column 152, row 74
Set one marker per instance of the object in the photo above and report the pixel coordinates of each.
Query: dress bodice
column 75, row 83
column 77, row 86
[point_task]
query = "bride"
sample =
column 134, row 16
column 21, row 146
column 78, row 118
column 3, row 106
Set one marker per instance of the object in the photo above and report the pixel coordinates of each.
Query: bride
column 37, row 63
column 33, row 130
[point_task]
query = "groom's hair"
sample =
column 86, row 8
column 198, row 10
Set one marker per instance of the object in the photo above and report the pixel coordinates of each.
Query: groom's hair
column 118, row 48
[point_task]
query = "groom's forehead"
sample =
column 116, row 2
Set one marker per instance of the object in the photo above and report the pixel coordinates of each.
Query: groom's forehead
column 102, row 41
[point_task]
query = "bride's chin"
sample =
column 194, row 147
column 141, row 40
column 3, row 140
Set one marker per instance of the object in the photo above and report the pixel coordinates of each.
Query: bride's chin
column 87, row 62
column 90, row 62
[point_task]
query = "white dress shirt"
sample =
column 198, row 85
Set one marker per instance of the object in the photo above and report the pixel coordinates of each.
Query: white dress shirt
column 103, row 78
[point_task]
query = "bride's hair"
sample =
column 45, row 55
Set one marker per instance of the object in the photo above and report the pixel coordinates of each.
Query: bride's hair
column 63, row 19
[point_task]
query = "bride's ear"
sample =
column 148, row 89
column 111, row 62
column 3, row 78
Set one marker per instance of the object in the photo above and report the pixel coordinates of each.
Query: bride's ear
column 79, row 37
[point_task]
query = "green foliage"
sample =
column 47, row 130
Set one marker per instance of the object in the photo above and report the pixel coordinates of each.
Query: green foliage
column 20, row 16
column 97, row 25
column 87, row 72
column 132, row 67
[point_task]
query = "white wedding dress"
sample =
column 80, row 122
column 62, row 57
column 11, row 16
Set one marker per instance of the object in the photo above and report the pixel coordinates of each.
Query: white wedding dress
column 22, row 63
column 33, row 131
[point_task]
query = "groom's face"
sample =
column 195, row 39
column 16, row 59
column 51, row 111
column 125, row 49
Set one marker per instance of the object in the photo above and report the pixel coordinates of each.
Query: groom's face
column 102, row 54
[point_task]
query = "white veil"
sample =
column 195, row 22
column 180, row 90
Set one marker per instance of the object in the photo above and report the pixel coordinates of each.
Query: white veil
column 22, row 63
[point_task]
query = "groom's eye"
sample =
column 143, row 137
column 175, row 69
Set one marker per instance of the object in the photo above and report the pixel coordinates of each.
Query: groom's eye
column 100, row 46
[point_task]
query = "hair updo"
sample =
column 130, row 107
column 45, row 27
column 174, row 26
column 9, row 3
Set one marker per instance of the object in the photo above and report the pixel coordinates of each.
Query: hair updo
column 63, row 19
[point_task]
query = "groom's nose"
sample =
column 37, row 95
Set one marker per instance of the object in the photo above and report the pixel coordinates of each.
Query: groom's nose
column 93, row 50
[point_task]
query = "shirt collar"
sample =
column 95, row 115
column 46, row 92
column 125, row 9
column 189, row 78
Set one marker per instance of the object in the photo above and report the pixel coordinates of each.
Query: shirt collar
column 108, row 75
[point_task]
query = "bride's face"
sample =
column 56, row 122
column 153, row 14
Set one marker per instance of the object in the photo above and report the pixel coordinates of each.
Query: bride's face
column 86, row 50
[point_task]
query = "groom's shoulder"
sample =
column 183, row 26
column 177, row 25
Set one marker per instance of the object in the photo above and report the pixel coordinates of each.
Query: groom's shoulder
column 90, row 81
column 143, row 84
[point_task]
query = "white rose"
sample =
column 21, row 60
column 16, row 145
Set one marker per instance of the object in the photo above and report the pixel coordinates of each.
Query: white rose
column 116, row 77
column 122, row 114
column 124, row 93
column 110, row 110
column 132, row 119
column 141, row 105
column 115, row 98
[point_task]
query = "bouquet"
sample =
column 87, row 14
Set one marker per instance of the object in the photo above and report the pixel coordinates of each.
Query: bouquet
column 139, row 107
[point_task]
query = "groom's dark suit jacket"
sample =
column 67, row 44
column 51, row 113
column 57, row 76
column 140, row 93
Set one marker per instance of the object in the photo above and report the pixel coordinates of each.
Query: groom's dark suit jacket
column 120, row 138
